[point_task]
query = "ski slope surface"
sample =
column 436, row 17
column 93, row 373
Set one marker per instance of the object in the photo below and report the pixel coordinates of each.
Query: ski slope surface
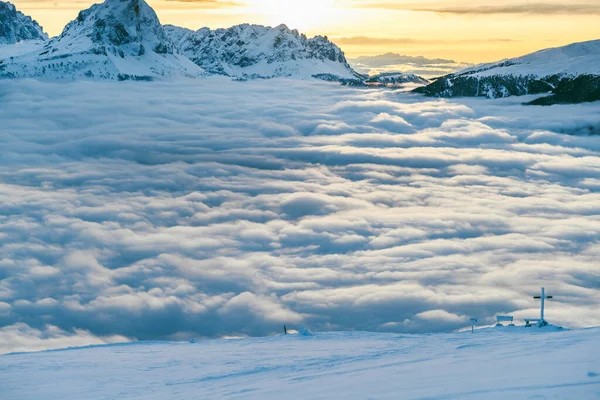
column 495, row 363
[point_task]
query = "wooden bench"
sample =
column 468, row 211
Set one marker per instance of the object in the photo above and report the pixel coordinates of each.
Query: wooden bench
column 528, row 321
column 504, row 318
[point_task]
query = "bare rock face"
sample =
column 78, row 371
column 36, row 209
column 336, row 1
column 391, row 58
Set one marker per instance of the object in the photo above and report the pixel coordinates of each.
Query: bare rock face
column 128, row 27
column 16, row 27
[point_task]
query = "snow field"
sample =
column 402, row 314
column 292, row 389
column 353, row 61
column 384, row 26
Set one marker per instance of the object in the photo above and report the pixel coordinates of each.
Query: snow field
column 495, row 363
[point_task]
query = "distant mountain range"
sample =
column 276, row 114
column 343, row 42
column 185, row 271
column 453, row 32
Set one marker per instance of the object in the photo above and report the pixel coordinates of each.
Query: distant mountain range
column 392, row 62
column 124, row 40
column 569, row 74
column 395, row 79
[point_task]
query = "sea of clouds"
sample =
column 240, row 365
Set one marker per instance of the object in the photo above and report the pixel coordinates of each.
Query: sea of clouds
column 211, row 208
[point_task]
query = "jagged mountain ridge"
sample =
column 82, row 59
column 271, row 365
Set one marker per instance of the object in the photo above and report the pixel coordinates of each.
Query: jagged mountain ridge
column 255, row 51
column 118, row 26
column 123, row 39
column 16, row 27
column 117, row 39
column 571, row 71
column 396, row 79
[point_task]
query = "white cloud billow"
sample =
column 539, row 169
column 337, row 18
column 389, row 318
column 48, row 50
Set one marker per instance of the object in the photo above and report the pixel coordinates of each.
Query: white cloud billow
column 215, row 208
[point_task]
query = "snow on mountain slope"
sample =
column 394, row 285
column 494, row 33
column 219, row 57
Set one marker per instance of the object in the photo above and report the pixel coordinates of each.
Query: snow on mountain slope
column 117, row 39
column 574, row 59
column 498, row 363
column 254, row 51
column 18, row 49
column 551, row 70
column 16, row 27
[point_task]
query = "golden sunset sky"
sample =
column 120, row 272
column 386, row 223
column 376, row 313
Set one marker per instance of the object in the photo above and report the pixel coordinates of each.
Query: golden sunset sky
column 463, row 30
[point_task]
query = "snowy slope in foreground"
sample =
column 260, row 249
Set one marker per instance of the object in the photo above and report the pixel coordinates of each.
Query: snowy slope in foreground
column 571, row 72
column 500, row 363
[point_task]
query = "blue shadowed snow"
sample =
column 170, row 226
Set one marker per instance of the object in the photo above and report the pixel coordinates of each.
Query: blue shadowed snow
column 496, row 363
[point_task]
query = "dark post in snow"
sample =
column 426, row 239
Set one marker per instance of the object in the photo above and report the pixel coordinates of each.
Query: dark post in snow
column 285, row 330
column 473, row 322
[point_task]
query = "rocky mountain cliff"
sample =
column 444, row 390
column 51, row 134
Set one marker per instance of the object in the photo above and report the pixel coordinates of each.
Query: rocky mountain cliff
column 571, row 73
column 254, row 51
column 117, row 39
column 16, row 26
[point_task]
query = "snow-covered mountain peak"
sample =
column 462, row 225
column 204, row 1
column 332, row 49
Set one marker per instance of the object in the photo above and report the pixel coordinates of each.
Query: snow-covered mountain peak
column 124, row 39
column 16, row 26
column 120, row 27
column 259, row 51
column 117, row 39
column 284, row 27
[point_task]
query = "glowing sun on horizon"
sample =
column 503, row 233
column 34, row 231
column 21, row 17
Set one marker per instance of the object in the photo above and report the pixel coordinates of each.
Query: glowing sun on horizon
column 296, row 14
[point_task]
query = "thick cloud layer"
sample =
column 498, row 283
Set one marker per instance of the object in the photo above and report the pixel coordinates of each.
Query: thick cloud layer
column 214, row 208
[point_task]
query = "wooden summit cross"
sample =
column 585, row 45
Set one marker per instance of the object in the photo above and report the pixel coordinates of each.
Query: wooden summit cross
column 543, row 297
